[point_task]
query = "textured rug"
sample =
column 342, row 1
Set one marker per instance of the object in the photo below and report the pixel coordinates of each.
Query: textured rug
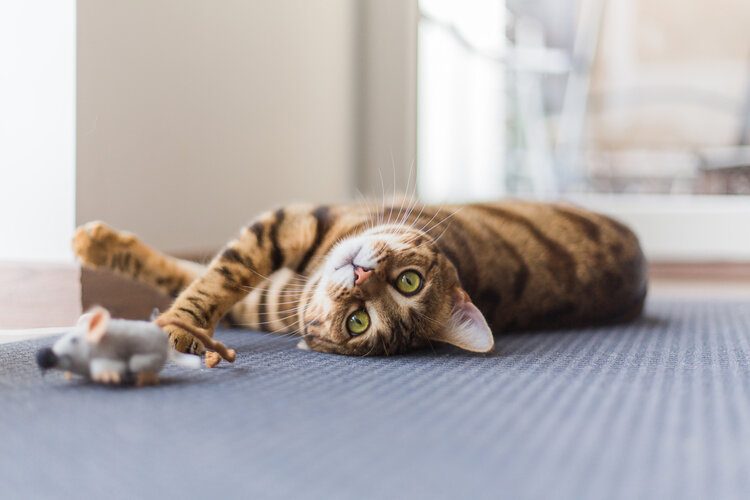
column 656, row 409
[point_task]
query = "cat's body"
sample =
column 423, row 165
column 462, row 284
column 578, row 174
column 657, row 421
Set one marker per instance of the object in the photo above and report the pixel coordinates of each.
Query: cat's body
column 308, row 269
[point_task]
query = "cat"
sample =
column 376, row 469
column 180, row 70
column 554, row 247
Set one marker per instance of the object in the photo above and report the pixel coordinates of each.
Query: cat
column 359, row 280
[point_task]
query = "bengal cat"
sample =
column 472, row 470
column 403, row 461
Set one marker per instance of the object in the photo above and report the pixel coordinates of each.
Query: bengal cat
column 354, row 280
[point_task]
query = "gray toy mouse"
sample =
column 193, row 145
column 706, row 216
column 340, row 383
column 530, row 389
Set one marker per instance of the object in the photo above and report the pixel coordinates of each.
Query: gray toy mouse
column 114, row 351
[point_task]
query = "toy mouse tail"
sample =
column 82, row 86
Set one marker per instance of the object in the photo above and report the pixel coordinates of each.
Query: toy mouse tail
column 184, row 360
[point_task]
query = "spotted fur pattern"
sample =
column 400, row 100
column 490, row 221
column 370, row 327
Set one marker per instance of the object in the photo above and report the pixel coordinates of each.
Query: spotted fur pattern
column 524, row 265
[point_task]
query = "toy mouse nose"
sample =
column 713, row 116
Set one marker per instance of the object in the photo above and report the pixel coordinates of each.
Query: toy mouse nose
column 361, row 275
column 46, row 358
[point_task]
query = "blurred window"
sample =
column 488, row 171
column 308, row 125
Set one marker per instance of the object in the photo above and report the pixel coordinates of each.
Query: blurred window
column 639, row 108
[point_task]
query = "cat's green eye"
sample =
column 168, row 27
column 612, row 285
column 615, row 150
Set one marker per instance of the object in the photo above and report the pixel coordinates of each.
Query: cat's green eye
column 358, row 322
column 409, row 282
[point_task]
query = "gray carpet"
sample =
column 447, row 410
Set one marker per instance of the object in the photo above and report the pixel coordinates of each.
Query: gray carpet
column 657, row 409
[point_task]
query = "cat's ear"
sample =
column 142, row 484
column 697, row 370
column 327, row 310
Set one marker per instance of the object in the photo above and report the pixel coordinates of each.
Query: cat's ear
column 96, row 322
column 467, row 327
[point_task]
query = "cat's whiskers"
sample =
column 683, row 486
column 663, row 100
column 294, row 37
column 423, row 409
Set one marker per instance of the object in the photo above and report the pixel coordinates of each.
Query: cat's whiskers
column 393, row 192
column 286, row 303
column 409, row 212
column 381, row 215
column 260, row 324
column 370, row 212
column 403, row 200
column 289, row 312
column 300, row 311
column 444, row 220
column 266, row 278
column 302, row 282
column 426, row 225
column 283, row 334
column 288, row 291
column 434, row 241
column 293, row 333
column 261, row 275
column 421, row 229
column 423, row 337
column 400, row 232
column 424, row 316
column 413, row 200
column 372, row 347
column 297, row 331
column 382, row 341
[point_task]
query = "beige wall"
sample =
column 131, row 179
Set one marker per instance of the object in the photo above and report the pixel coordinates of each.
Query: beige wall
column 193, row 115
column 387, row 95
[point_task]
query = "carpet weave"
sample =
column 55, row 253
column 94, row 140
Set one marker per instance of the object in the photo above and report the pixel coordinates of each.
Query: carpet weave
column 656, row 409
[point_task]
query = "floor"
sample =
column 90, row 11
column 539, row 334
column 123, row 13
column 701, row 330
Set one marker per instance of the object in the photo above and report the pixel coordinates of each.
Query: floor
column 659, row 408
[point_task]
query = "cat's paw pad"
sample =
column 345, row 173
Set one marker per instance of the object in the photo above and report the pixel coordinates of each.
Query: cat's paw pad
column 95, row 242
column 183, row 341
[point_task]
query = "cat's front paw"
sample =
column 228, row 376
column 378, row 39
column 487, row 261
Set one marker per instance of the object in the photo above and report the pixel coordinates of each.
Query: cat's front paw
column 95, row 242
column 184, row 341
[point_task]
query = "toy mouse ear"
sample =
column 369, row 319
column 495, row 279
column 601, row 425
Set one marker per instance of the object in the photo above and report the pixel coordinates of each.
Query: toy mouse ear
column 155, row 314
column 467, row 327
column 96, row 323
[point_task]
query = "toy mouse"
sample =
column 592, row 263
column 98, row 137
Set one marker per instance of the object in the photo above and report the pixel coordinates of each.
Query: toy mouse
column 112, row 351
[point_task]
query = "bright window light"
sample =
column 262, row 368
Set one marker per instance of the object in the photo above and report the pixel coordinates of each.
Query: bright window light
column 37, row 129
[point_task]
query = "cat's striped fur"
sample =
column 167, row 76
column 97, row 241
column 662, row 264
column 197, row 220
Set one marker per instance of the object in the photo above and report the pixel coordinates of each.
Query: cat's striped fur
column 524, row 265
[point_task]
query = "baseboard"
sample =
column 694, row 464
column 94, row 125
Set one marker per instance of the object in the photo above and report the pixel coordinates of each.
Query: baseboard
column 39, row 295
column 122, row 297
column 701, row 271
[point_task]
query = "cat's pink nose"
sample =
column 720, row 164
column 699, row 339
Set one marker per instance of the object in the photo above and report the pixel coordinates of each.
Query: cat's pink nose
column 361, row 275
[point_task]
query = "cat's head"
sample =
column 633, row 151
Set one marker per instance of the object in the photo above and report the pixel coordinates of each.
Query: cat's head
column 385, row 291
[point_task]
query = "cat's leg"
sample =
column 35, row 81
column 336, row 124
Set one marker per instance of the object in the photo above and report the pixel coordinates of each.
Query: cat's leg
column 284, row 238
column 268, row 307
column 99, row 246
